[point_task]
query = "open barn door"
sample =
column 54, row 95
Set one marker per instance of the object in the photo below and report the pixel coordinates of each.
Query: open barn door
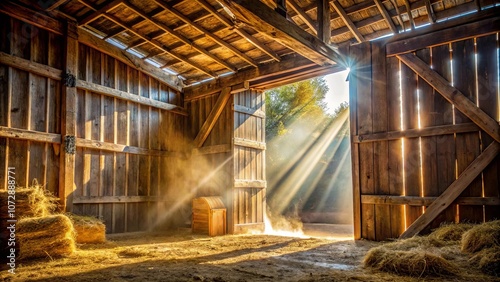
column 424, row 130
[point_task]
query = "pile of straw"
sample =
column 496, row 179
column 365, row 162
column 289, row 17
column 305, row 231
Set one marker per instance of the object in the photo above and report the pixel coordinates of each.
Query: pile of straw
column 450, row 232
column 442, row 253
column 33, row 201
column 89, row 230
column 482, row 236
column 415, row 263
column 49, row 236
column 416, row 257
column 484, row 242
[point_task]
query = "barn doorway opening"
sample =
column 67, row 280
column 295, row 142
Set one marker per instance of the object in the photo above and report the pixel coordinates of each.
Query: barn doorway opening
column 308, row 158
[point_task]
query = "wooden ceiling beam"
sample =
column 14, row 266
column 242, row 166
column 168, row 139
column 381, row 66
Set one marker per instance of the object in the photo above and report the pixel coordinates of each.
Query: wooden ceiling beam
column 159, row 45
column 348, row 22
column 99, row 11
column 87, row 38
column 179, row 36
column 324, row 28
column 207, row 33
column 288, row 64
column 387, row 17
column 303, row 16
column 241, row 32
column 262, row 18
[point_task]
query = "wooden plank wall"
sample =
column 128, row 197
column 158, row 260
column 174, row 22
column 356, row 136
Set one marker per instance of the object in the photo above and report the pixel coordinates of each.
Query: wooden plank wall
column 132, row 182
column 126, row 146
column 249, row 194
column 30, row 101
column 397, row 170
column 211, row 166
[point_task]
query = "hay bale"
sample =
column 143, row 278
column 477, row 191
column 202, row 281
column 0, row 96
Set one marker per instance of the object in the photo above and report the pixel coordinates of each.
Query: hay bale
column 88, row 230
column 482, row 236
column 33, row 201
column 50, row 236
column 415, row 243
column 450, row 232
column 415, row 263
column 488, row 260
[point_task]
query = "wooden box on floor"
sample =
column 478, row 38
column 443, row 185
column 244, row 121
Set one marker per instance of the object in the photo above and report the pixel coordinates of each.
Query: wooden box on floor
column 209, row 216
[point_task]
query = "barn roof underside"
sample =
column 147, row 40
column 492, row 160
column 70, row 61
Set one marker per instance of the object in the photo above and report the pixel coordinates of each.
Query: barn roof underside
column 201, row 41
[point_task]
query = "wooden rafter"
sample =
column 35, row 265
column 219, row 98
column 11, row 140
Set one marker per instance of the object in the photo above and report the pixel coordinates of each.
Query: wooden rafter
column 336, row 5
column 410, row 15
column 152, row 41
column 240, row 31
column 99, row 11
column 453, row 95
column 159, row 45
column 212, row 118
column 453, row 191
column 398, row 14
column 430, row 12
column 107, row 48
column 303, row 16
column 324, row 28
column 179, row 36
column 262, row 18
column 54, row 5
column 207, row 33
column 387, row 17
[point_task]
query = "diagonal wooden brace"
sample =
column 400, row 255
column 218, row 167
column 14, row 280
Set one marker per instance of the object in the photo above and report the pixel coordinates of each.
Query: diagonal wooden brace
column 453, row 95
column 212, row 118
column 453, row 191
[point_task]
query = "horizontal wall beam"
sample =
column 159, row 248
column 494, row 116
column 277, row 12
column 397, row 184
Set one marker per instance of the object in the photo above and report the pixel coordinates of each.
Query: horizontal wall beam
column 215, row 149
column 426, row 201
column 38, row 19
column 249, row 143
column 247, row 183
column 29, row 135
column 92, row 87
column 114, row 199
column 30, row 66
column 118, row 148
column 249, row 111
column 415, row 133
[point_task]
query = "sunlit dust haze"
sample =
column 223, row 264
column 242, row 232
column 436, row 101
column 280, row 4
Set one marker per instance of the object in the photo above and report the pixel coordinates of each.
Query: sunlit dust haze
column 312, row 183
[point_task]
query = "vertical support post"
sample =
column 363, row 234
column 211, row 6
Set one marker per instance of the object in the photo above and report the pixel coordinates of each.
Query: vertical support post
column 324, row 30
column 68, row 119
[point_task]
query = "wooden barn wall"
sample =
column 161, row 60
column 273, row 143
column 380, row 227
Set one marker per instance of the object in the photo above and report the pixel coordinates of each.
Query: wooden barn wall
column 125, row 150
column 249, row 194
column 124, row 189
column 30, row 102
column 409, row 144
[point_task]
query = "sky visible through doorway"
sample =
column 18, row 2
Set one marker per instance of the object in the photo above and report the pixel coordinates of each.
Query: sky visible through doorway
column 338, row 90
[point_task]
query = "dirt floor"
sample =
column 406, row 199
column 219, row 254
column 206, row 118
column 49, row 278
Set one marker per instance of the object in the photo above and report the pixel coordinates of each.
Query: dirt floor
column 183, row 256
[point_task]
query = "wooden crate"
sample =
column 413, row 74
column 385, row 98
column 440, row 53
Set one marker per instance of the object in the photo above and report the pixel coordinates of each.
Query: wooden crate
column 209, row 216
